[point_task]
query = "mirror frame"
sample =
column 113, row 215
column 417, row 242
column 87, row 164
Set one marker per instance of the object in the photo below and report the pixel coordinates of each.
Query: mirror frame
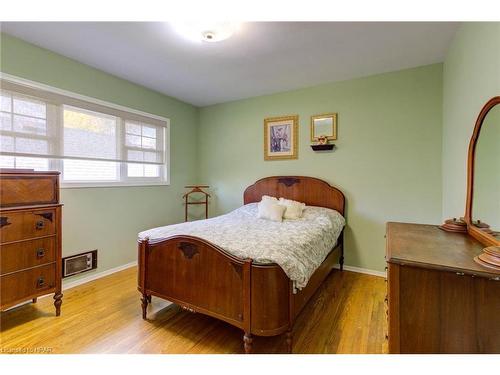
column 334, row 126
column 483, row 237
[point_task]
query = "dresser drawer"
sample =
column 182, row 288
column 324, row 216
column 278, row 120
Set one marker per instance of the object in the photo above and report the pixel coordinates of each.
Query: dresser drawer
column 26, row 254
column 21, row 225
column 26, row 189
column 16, row 287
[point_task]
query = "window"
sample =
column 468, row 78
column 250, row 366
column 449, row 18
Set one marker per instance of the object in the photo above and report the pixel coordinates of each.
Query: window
column 90, row 135
column 142, row 144
column 91, row 143
column 24, row 130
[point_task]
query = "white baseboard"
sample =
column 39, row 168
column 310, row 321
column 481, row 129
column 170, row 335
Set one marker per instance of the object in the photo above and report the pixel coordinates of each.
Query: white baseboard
column 71, row 284
column 363, row 270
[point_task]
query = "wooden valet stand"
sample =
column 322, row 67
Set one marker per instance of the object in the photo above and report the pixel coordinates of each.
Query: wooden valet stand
column 195, row 189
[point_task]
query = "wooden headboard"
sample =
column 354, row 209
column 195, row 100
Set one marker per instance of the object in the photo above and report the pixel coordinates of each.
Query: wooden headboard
column 312, row 191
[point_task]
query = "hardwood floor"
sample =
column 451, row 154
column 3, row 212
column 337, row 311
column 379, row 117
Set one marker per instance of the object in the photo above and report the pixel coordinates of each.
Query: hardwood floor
column 346, row 315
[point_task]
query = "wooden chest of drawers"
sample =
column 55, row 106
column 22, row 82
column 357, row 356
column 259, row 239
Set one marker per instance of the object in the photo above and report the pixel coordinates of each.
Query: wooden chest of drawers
column 439, row 299
column 30, row 237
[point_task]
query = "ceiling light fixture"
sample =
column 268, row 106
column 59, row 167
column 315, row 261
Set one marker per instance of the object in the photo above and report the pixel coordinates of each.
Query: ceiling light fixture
column 206, row 31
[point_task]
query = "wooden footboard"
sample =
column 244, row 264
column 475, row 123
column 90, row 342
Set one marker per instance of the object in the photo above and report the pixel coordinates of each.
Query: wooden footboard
column 198, row 276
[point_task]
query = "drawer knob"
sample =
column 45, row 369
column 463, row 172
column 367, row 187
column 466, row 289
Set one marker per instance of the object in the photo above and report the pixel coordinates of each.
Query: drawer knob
column 4, row 220
column 40, row 253
column 39, row 224
column 40, row 282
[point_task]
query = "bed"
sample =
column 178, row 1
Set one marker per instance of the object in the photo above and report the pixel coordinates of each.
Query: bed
column 184, row 265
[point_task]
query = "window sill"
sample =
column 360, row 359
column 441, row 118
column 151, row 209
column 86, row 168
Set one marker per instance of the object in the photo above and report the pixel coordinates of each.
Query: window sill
column 91, row 185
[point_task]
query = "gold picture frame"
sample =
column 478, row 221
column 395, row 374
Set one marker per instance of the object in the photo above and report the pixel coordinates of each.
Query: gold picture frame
column 281, row 138
column 320, row 124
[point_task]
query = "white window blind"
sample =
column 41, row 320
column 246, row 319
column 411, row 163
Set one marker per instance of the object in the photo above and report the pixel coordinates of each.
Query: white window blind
column 25, row 130
column 87, row 141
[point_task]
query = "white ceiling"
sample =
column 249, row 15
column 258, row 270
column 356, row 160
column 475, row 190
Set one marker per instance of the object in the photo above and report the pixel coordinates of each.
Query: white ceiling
column 261, row 58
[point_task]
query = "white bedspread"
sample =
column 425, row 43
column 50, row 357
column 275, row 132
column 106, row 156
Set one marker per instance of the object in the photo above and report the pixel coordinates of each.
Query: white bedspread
column 297, row 246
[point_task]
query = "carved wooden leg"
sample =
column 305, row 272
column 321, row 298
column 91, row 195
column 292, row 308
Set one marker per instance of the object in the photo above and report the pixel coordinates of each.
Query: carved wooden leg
column 144, row 305
column 58, row 302
column 247, row 342
column 341, row 261
column 289, row 341
column 34, row 300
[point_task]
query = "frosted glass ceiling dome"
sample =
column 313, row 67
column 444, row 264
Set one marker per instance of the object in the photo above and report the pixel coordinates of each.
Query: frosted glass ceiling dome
column 201, row 31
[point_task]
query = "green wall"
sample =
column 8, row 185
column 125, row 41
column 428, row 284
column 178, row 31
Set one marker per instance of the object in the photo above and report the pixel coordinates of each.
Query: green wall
column 471, row 76
column 109, row 219
column 400, row 154
column 387, row 160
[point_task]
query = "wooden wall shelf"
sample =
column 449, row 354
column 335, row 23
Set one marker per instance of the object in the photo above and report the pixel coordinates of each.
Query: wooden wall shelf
column 323, row 147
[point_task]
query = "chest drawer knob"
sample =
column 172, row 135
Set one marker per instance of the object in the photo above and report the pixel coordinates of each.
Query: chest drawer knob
column 4, row 220
column 40, row 224
column 40, row 282
column 40, row 253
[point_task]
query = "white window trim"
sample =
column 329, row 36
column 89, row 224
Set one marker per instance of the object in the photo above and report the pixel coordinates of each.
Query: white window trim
column 93, row 184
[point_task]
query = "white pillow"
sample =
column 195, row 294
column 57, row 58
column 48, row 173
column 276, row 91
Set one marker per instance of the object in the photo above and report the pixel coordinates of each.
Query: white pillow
column 270, row 210
column 293, row 210
column 269, row 198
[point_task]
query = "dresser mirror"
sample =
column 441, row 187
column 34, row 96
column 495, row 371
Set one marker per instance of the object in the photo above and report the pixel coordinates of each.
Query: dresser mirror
column 486, row 197
column 482, row 210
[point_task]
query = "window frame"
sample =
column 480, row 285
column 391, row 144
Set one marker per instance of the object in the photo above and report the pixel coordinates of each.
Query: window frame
column 57, row 164
column 124, row 148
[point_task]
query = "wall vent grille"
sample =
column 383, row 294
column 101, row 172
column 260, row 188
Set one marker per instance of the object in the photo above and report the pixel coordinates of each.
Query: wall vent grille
column 75, row 264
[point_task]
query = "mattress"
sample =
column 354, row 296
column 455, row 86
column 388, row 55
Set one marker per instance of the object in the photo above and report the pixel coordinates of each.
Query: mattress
column 297, row 246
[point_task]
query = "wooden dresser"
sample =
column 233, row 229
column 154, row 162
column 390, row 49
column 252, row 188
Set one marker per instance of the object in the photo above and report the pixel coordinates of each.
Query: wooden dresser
column 30, row 237
column 439, row 299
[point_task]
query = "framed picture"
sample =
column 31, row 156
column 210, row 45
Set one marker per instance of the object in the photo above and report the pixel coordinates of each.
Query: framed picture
column 281, row 138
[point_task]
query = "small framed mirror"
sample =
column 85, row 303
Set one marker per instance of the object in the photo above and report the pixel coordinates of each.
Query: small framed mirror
column 324, row 125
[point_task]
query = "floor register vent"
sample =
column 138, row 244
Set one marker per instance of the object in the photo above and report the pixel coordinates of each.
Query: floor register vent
column 75, row 264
